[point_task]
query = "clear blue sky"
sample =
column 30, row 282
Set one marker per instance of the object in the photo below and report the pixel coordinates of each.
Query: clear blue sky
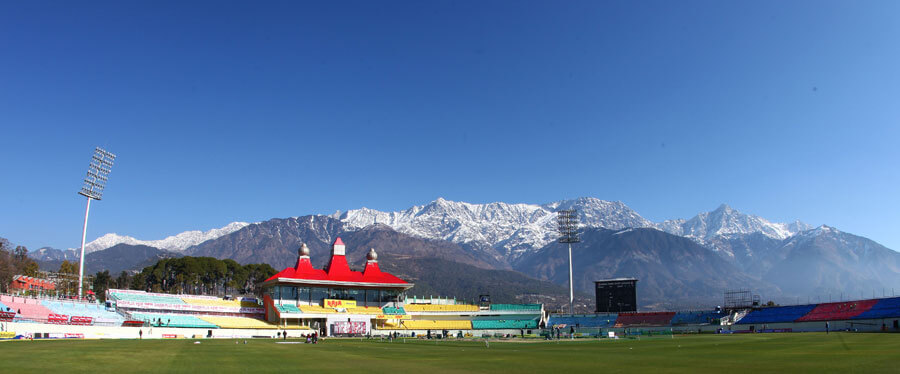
column 227, row 111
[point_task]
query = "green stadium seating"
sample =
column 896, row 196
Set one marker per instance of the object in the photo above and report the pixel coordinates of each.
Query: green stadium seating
column 504, row 324
column 516, row 307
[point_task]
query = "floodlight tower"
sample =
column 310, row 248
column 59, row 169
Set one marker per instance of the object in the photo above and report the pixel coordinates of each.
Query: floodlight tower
column 94, row 182
column 567, row 221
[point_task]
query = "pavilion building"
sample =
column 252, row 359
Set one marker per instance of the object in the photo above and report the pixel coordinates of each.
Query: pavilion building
column 333, row 300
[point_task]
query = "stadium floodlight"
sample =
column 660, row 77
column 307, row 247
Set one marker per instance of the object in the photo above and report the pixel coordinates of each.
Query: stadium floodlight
column 94, row 183
column 567, row 220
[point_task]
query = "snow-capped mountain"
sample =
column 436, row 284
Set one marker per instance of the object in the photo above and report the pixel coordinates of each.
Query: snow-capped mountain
column 514, row 229
column 175, row 243
column 511, row 229
column 725, row 221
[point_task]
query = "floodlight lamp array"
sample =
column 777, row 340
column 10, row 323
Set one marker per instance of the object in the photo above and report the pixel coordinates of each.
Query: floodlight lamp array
column 567, row 221
column 97, row 174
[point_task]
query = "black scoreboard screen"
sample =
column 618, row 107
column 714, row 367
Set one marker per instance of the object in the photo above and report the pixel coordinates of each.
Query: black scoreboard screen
column 616, row 295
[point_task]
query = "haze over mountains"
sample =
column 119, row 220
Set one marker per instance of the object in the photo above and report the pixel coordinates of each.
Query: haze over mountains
column 680, row 262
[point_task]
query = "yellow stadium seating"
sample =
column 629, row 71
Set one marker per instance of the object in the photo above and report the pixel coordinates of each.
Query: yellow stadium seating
column 419, row 324
column 387, row 324
column 245, row 323
column 371, row 310
column 440, row 308
column 315, row 309
column 221, row 302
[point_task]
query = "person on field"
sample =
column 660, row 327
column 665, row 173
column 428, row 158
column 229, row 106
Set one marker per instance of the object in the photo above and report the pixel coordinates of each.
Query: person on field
column 140, row 334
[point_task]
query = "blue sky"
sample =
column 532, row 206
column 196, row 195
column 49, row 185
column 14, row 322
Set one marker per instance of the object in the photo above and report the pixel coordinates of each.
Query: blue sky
column 245, row 111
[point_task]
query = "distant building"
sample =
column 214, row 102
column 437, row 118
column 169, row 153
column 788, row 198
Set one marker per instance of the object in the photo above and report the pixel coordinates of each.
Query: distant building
column 303, row 295
column 26, row 283
column 616, row 295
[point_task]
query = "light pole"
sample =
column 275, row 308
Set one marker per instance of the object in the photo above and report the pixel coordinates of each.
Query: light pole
column 567, row 221
column 94, row 182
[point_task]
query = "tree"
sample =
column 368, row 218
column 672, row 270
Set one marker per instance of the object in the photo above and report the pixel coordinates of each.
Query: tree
column 101, row 284
column 14, row 263
column 201, row 275
column 123, row 281
column 21, row 253
column 139, row 281
column 31, row 269
column 69, row 283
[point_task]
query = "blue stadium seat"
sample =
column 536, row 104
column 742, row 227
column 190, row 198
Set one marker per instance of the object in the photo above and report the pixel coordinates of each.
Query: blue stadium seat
column 587, row 320
column 696, row 318
column 776, row 314
column 885, row 308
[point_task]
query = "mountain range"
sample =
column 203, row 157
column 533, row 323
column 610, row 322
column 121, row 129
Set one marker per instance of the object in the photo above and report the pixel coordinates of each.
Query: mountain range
column 686, row 261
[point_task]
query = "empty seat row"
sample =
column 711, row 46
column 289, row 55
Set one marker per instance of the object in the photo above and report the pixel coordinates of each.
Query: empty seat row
column 505, row 324
column 27, row 308
column 389, row 310
column 776, row 314
column 838, row 311
column 441, row 308
column 644, row 319
column 245, row 323
column 696, row 318
column 143, row 297
column 287, row 308
column 884, row 308
column 532, row 307
column 586, row 320
column 172, row 320
column 435, row 325
column 96, row 311
column 220, row 302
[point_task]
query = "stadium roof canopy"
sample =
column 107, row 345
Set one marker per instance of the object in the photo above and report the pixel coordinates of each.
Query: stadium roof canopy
column 337, row 272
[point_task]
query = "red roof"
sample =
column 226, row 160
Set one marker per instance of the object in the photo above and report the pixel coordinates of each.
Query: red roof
column 338, row 241
column 337, row 270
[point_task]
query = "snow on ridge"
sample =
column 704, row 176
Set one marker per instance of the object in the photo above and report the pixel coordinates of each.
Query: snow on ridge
column 514, row 229
column 508, row 227
column 726, row 221
column 176, row 243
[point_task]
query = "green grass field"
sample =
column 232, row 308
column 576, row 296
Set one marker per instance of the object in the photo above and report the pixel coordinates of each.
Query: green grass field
column 787, row 353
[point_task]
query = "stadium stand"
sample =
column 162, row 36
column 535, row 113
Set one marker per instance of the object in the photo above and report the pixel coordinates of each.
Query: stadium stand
column 315, row 309
column 644, row 319
column 516, row 307
column 696, row 318
column 504, row 324
column 26, row 307
column 97, row 312
column 287, row 308
column 245, row 323
column 776, row 314
column 368, row 310
column 220, row 302
column 587, row 320
column 838, row 311
column 884, row 308
column 392, row 311
column 420, row 324
column 172, row 320
column 441, row 308
column 142, row 297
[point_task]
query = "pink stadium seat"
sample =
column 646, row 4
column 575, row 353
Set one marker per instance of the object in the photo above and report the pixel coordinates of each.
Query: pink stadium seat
column 838, row 311
column 29, row 308
column 644, row 319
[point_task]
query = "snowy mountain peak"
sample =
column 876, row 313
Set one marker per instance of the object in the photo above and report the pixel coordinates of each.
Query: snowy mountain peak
column 176, row 243
column 509, row 228
column 725, row 221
